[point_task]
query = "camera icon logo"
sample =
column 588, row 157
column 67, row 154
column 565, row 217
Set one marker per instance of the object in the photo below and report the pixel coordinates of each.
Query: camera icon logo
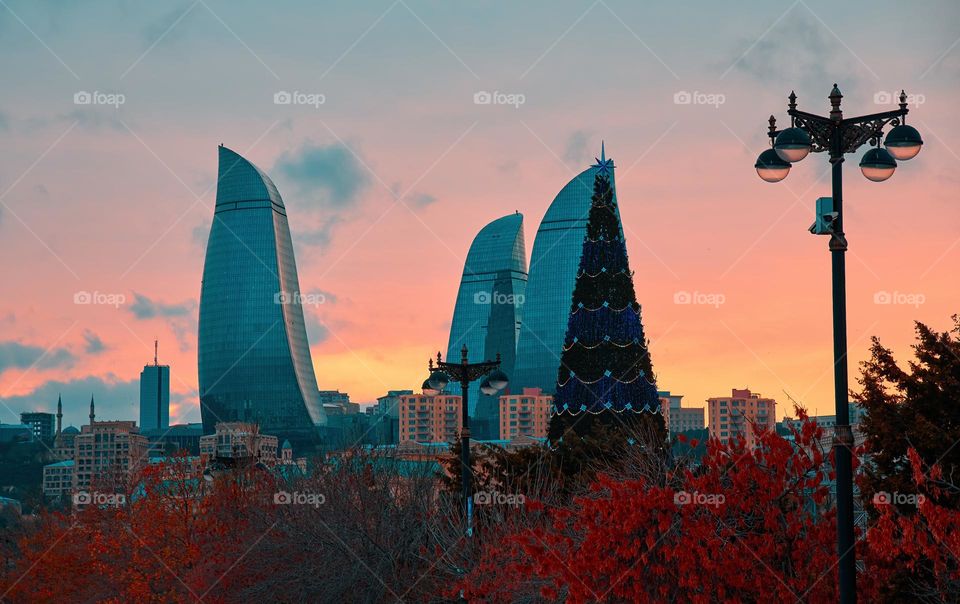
column 682, row 498
column 282, row 498
column 282, row 98
column 82, row 98
column 481, row 498
column 82, row 498
column 482, row 98
column 882, row 98
column 682, row 297
column 282, row 298
column 882, row 298
column 482, row 298
column 682, row 97
column 82, row 297
column 881, row 498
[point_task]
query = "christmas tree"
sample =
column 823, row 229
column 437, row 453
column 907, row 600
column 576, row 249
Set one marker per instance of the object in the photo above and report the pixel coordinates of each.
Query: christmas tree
column 606, row 376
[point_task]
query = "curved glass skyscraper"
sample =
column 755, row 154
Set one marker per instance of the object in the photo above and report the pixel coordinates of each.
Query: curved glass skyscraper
column 553, row 272
column 489, row 306
column 254, row 360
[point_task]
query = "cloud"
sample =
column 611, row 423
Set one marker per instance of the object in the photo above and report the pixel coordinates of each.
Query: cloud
column 317, row 331
column 145, row 308
column 201, row 233
column 327, row 296
column 114, row 399
column 92, row 343
column 575, row 151
column 800, row 53
column 421, row 200
column 319, row 236
column 330, row 174
column 14, row 355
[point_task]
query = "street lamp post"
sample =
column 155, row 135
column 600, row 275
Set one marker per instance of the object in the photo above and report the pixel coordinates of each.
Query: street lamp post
column 466, row 372
column 839, row 136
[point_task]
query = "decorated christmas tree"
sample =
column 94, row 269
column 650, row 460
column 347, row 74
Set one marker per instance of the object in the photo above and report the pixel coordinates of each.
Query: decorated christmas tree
column 605, row 383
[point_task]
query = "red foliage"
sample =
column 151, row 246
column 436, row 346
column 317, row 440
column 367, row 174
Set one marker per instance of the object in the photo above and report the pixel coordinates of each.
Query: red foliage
column 747, row 526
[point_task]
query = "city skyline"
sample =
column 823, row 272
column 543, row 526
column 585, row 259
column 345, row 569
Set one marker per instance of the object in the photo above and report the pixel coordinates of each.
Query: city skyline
column 115, row 201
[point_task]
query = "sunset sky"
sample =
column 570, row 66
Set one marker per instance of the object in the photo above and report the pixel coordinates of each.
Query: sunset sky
column 387, row 181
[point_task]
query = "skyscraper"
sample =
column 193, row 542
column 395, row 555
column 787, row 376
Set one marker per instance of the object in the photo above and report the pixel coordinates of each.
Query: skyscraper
column 553, row 272
column 489, row 308
column 155, row 395
column 254, row 360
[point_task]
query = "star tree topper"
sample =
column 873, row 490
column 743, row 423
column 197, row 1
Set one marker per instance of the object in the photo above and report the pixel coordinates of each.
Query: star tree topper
column 604, row 164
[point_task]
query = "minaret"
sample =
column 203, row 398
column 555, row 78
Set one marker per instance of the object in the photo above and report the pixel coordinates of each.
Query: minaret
column 59, row 417
column 92, row 414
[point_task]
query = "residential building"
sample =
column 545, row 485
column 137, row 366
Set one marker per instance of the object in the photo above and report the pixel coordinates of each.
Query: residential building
column 58, row 479
column 239, row 444
column 109, row 451
column 677, row 417
column 41, row 423
column 743, row 412
column 525, row 414
column 254, row 359
column 429, row 418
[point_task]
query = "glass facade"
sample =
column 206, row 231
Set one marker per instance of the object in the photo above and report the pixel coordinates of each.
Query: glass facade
column 489, row 307
column 254, row 360
column 553, row 272
column 155, row 397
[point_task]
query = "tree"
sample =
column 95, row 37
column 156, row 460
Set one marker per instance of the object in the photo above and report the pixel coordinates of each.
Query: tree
column 751, row 525
column 918, row 409
column 606, row 375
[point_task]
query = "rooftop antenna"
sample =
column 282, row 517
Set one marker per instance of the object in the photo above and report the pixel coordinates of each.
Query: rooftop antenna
column 156, row 345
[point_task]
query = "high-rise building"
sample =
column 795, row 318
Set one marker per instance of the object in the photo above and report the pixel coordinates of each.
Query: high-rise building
column 254, row 360
column 553, row 273
column 489, row 310
column 525, row 414
column 429, row 418
column 743, row 412
column 41, row 423
column 155, row 395
column 677, row 417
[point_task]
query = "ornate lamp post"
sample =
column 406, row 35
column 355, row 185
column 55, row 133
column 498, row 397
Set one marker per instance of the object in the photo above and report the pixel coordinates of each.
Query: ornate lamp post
column 465, row 372
column 839, row 136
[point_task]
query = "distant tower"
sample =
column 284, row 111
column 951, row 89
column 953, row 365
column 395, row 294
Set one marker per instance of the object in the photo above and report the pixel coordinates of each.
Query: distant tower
column 59, row 417
column 92, row 414
column 155, row 394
